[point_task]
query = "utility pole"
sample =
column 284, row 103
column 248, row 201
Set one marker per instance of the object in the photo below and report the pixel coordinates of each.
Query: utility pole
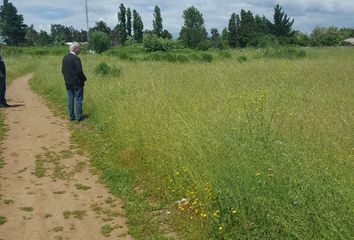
column 87, row 24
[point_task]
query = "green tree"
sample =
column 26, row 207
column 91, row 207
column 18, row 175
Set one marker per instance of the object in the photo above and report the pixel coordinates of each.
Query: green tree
column 100, row 42
column 301, row 39
column 138, row 27
column 44, row 38
column 282, row 26
column 61, row 34
column 157, row 22
column 79, row 36
column 233, row 31
column 346, row 33
column 12, row 28
column 166, row 34
column 215, row 38
column 247, row 28
column 31, row 36
column 323, row 36
column 129, row 22
column 114, row 36
column 193, row 31
column 225, row 34
column 101, row 26
column 122, row 25
column 215, row 35
column 262, row 34
column 262, row 25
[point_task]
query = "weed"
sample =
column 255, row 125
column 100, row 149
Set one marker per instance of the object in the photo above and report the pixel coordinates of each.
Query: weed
column 8, row 201
column 96, row 208
column 2, row 220
column 206, row 57
column 284, row 52
column 79, row 214
column 110, row 200
column 39, row 170
column 242, row 59
column 58, row 229
column 107, row 219
column 22, row 170
column 79, row 167
column 58, row 192
column 66, row 154
column 81, row 187
column 225, row 55
column 106, row 230
column 104, row 69
column 27, row 209
column 66, row 214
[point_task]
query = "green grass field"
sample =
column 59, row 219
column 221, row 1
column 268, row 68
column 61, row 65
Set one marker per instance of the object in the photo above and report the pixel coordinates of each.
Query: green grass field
column 260, row 145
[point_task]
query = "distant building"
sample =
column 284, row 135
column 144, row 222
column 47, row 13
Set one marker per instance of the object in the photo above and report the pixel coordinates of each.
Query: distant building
column 81, row 43
column 349, row 41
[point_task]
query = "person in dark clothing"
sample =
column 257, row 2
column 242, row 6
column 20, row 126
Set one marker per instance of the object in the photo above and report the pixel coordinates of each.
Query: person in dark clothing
column 74, row 78
column 3, row 102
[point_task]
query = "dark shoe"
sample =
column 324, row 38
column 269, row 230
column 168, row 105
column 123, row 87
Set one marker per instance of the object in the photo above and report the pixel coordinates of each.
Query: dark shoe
column 6, row 105
column 81, row 119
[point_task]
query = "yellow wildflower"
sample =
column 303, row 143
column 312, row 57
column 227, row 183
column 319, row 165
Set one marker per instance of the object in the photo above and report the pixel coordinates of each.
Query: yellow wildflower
column 216, row 213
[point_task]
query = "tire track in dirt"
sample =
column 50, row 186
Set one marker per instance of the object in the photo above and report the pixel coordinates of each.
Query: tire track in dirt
column 47, row 190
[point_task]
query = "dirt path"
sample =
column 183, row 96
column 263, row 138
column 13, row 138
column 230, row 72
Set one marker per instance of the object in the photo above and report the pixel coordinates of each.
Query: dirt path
column 46, row 188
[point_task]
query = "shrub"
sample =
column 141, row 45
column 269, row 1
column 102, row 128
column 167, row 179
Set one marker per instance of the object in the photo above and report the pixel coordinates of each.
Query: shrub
column 263, row 41
column 125, row 56
column 100, row 42
column 153, row 43
column 9, row 51
column 182, row 58
column 155, row 56
column 129, row 41
column 203, row 45
column 225, row 54
column 104, row 69
column 40, row 52
column 242, row 59
column 206, row 57
column 171, row 57
column 283, row 52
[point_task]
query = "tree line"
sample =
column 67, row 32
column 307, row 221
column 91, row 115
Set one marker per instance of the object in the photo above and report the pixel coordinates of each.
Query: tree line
column 243, row 30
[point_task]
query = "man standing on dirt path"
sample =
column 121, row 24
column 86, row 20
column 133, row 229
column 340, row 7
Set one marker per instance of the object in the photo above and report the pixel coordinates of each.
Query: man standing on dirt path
column 3, row 103
column 74, row 78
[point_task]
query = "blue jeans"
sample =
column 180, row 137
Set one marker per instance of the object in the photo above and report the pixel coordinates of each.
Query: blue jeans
column 75, row 94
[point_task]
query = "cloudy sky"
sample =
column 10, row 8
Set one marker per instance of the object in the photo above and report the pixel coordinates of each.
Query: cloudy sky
column 307, row 13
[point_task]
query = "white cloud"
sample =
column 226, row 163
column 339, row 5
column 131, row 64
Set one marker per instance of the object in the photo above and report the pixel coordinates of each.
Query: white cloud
column 216, row 13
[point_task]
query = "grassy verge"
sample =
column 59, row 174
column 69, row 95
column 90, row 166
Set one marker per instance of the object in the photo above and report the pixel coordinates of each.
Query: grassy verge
column 241, row 149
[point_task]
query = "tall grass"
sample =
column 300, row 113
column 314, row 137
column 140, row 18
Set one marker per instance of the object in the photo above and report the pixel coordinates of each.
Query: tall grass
column 261, row 149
